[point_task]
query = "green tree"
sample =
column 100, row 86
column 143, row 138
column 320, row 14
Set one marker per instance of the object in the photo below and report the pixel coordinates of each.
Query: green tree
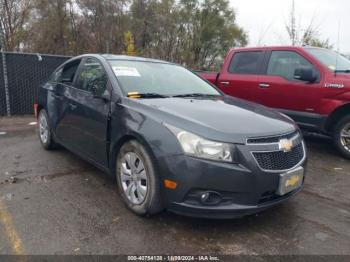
column 195, row 33
column 211, row 30
column 103, row 24
column 129, row 44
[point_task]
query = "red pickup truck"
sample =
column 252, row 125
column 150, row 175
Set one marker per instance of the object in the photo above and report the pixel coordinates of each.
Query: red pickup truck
column 311, row 85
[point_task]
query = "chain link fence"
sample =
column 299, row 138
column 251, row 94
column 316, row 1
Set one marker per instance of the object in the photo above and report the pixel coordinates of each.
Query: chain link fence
column 2, row 92
column 25, row 73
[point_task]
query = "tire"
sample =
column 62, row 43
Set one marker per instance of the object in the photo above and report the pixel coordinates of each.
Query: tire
column 341, row 142
column 137, row 180
column 44, row 131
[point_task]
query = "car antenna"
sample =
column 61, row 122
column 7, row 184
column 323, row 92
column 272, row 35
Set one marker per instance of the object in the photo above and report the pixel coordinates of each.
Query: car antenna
column 338, row 49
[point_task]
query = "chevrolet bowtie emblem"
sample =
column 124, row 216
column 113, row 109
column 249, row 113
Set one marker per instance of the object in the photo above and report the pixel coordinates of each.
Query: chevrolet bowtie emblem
column 292, row 181
column 286, row 145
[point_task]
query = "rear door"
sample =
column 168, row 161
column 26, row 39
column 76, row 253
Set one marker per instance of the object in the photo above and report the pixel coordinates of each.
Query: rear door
column 88, row 112
column 281, row 90
column 61, row 121
column 239, row 77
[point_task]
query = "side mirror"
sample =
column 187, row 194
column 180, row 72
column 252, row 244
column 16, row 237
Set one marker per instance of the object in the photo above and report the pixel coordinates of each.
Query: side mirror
column 94, row 91
column 104, row 96
column 306, row 74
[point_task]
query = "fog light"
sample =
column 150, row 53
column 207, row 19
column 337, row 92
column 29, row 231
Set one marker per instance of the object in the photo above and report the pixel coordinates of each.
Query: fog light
column 210, row 198
column 204, row 197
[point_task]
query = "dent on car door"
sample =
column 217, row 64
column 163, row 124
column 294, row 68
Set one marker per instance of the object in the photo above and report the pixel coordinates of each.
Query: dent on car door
column 241, row 78
column 88, row 111
column 281, row 89
column 54, row 98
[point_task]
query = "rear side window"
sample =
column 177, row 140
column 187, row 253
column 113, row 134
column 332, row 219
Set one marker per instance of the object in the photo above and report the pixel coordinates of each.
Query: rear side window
column 246, row 63
column 68, row 72
column 56, row 76
column 284, row 64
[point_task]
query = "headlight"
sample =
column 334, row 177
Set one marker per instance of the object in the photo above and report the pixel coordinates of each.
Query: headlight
column 200, row 147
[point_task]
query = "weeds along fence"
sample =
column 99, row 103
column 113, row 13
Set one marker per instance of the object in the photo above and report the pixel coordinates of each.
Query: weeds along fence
column 21, row 75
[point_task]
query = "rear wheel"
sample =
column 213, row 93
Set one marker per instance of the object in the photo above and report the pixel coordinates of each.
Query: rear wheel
column 137, row 180
column 45, row 134
column 341, row 136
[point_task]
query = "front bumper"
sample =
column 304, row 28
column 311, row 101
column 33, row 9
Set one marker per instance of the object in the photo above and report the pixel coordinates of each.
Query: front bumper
column 226, row 212
column 243, row 191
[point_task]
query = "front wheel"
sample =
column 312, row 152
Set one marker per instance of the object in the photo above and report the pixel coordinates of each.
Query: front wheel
column 138, row 183
column 341, row 136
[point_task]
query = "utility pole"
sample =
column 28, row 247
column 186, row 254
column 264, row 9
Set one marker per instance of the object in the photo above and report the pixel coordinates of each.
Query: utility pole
column 4, row 70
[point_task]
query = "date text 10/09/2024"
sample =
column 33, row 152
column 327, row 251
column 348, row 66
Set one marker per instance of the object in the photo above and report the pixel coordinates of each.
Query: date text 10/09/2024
column 173, row 258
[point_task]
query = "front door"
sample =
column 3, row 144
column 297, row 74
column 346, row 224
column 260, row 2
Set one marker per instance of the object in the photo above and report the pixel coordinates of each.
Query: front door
column 282, row 91
column 89, row 111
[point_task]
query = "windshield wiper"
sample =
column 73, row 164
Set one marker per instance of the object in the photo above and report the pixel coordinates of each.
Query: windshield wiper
column 147, row 95
column 196, row 95
column 342, row 71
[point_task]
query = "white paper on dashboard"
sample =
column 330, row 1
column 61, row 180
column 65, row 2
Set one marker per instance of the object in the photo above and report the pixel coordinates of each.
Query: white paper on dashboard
column 126, row 71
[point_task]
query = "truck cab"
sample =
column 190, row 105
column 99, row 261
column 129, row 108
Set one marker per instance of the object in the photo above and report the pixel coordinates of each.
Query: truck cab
column 309, row 84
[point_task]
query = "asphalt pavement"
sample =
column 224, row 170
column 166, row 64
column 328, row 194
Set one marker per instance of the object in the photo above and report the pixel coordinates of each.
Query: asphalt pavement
column 55, row 203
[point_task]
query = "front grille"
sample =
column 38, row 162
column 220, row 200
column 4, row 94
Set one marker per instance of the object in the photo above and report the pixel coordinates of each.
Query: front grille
column 271, row 139
column 279, row 160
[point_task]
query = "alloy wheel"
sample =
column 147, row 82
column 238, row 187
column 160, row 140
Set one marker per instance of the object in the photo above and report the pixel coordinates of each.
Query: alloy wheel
column 345, row 137
column 43, row 129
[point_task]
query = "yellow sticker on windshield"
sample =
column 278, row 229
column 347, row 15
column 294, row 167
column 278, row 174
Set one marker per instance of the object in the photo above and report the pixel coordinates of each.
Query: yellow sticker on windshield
column 134, row 95
column 332, row 67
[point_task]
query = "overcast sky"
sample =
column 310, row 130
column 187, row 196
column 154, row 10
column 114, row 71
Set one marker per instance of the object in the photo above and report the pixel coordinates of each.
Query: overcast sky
column 265, row 19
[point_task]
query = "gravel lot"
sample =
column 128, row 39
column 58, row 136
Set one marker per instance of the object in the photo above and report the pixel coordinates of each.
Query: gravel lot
column 55, row 203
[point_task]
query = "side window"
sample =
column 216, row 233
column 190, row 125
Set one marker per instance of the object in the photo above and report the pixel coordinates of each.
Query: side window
column 68, row 72
column 246, row 63
column 284, row 64
column 92, row 77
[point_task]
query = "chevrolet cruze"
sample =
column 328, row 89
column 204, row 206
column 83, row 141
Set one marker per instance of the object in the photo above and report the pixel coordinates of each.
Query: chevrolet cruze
column 172, row 140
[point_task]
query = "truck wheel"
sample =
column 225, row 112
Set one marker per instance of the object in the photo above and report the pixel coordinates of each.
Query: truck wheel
column 138, row 183
column 44, row 130
column 341, row 136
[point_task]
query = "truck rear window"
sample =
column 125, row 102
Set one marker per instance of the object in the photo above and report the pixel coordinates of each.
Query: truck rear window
column 246, row 63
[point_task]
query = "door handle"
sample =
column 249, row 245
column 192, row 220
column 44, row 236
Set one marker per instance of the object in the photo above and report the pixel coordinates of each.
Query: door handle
column 72, row 107
column 264, row 85
column 225, row 83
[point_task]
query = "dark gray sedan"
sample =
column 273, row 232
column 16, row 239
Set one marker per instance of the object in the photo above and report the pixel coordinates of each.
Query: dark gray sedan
column 172, row 140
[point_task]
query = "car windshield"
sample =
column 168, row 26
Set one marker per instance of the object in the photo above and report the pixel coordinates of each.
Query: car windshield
column 333, row 60
column 159, row 79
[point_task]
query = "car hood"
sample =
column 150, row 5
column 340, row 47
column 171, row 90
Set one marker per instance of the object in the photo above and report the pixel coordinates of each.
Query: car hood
column 222, row 119
column 344, row 75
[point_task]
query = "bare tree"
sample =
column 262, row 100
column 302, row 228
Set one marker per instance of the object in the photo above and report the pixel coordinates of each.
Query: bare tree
column 299, row 35
column 291, row 26
column 14, row 16
column 196, row 33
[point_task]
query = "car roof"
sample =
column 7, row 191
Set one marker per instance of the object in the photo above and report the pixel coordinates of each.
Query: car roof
column 111, row 57
column 273, row 48
column 132, row 58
